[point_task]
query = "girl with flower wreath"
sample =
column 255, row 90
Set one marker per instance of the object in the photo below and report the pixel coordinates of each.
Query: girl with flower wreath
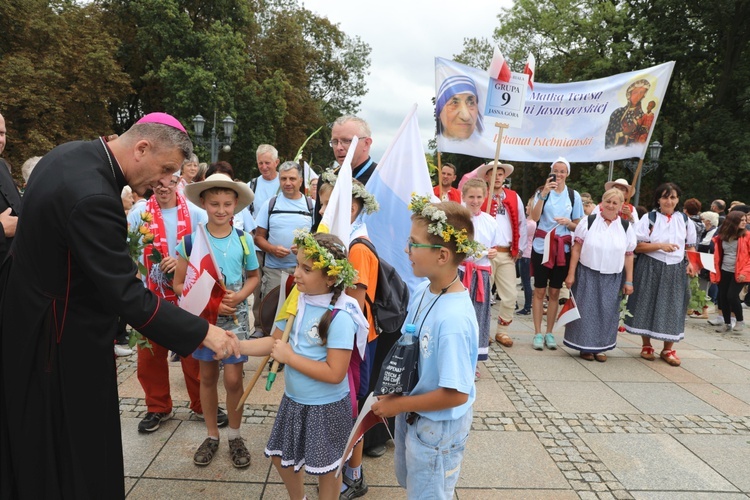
column 315, row 415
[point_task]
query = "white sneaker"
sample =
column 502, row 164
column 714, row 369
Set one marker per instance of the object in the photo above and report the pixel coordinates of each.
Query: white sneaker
column 739, row 326
column 716, row 322
column 724, row 329
column 122, row 350
column 734, row 322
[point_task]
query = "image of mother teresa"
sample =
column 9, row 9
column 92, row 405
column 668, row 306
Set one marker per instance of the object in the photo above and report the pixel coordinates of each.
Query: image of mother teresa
column 457, row 108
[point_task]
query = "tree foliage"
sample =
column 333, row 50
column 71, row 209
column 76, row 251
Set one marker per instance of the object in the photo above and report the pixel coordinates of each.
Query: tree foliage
column 80, row 69
column 703, row 124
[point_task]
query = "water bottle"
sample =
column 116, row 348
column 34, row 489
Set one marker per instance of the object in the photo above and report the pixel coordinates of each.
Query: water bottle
column 409, row 336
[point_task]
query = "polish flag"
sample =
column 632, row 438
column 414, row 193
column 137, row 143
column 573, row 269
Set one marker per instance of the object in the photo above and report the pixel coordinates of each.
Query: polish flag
column 530, row 68
column 701, row 260
column 203, row 290
column 569, row 312
column 499, row 69
column 366, row 420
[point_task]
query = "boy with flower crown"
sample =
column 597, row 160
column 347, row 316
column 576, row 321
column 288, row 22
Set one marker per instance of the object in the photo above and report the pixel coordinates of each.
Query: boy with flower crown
column 433, row 421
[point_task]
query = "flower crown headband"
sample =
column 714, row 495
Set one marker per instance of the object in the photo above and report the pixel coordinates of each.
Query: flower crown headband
column 438, row 225
column 322, row 258
column 369, row 203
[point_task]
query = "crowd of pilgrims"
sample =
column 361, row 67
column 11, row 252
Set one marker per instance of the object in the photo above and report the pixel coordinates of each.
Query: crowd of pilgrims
column 625, row 268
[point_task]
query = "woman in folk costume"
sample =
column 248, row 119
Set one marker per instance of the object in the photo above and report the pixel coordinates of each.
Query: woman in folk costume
column 602, row 252
column 661, row 294
column 476, row 272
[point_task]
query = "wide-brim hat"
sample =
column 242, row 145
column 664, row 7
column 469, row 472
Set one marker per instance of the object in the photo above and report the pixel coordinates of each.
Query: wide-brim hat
column 620, row 182
column 245, row 195
column 482, row 170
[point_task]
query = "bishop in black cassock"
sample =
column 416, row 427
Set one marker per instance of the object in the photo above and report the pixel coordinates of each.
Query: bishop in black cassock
column 67, row 278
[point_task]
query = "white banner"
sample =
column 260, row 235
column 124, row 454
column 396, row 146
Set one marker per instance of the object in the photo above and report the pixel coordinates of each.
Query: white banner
column 597, row 120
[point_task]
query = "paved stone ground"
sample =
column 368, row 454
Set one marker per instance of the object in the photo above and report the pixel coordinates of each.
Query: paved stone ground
column 546, row 425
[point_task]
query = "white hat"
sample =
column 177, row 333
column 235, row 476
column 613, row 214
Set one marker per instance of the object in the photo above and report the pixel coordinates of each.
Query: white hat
column 560, row 160
column 620, row 182
column 483, row 169
column 245, row 195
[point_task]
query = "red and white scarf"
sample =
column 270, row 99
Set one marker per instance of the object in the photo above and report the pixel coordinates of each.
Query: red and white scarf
column 156, row 280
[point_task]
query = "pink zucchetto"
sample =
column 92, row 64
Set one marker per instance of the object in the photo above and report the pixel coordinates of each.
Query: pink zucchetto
column 164, row 119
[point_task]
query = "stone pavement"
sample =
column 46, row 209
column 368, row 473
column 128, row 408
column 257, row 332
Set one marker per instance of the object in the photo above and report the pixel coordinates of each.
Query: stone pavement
column 546, row 425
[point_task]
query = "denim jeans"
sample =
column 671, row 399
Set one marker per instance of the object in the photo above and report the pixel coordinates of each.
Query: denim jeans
column 429, row 454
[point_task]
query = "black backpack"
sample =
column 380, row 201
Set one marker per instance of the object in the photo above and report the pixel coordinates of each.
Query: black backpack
column 391, row 294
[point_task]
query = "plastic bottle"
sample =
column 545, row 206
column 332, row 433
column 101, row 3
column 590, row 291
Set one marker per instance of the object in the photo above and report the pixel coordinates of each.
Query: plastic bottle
column 410, row 334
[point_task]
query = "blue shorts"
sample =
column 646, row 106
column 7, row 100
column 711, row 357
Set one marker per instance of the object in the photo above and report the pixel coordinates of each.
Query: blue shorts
column 237, row 324
column 429, row 454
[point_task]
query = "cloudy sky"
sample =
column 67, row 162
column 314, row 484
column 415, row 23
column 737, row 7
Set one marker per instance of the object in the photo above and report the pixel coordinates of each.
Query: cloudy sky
column 405, row 37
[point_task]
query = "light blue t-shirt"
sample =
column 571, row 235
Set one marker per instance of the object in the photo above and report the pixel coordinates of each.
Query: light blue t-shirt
column 264, row 190
column 282, row 227
column 231, row 263
column 558, row 205
column 448, row 345
column 301, row 388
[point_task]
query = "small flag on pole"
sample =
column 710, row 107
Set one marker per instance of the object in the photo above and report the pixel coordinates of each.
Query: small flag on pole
column 569, row 312
column 499, row 69
column 366, row 420
column 701, row 260
column 530, row 68
column 203, row 291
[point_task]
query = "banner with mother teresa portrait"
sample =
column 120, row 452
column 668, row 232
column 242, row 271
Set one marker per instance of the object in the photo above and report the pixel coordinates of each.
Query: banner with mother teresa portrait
column 596, row 120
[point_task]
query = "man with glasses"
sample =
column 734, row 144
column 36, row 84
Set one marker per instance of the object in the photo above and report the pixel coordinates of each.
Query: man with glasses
column 172, row 218
column 344, row 129
column 507, row 209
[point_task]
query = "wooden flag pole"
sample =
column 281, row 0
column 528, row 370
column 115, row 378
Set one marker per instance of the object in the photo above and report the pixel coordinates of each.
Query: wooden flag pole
column 252, row 382
column 275, row 366
column 635, row 177
column 501, row 127
column 440, row 170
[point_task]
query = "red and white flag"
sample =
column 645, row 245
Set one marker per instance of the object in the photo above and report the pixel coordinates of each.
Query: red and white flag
column 530, row 69
column 203, row 290
column 701, row 260
column 569, row 312
column 499, row 69
column 366, row 420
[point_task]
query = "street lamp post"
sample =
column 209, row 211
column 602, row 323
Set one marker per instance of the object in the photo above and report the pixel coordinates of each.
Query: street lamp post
column 214, row 142
column 654, row 151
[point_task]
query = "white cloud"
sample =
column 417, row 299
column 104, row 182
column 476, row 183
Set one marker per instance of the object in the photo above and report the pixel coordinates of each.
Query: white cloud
column 405, row 37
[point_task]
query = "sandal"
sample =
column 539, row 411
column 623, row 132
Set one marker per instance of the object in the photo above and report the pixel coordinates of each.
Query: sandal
column 600, row 357
column 587, row 356
column 670, row 357
column 206, row 452
column 503, row 339
column 647, row 352
column 239, row 453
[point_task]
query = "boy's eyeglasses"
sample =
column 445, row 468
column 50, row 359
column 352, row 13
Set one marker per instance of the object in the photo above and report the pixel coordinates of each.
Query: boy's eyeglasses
column 410, row 244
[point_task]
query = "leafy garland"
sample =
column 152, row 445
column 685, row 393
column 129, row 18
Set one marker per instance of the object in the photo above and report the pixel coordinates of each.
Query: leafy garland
column 438, row 225
column 369, row 203
column 323, row 259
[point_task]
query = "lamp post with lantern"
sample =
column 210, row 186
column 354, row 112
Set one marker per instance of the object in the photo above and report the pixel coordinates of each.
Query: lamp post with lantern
column 214, row 142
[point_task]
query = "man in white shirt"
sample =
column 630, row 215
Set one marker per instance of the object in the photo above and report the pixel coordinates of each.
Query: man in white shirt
column 508, row 210
column 265, row 186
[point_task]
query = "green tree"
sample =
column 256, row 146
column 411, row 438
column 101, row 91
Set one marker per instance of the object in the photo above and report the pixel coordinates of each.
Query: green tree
column 58, row 72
